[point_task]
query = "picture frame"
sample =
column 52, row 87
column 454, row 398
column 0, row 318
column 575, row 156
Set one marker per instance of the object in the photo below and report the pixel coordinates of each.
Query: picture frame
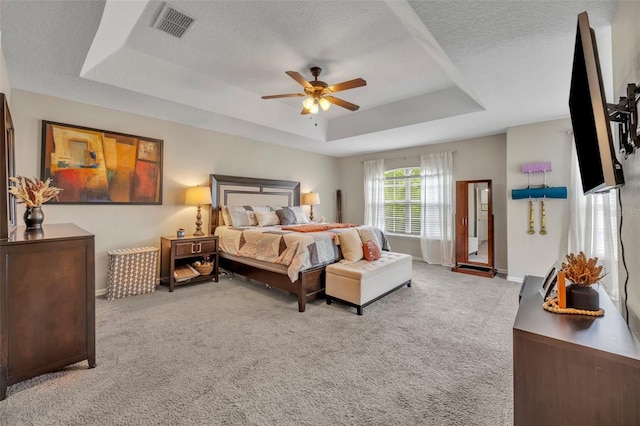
column 550, row 280
column 94, row 166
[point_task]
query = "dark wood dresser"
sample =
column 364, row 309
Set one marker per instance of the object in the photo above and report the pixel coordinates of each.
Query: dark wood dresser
column 47, row 302
column 573, row 369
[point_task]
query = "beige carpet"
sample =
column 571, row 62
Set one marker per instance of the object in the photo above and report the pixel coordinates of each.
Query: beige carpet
column 235, row 353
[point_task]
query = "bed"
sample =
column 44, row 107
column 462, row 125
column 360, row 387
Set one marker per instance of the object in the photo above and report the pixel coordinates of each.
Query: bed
column 277, row 256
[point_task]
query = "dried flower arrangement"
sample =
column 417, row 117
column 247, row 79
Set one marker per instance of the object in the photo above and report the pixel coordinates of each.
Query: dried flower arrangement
column 582, row 271
column 33, row 192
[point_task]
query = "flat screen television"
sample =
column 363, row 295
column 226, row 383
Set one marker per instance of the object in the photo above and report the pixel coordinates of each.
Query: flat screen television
column 600, row 170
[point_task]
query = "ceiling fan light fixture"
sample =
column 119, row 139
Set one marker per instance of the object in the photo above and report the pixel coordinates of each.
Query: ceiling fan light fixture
column 324, row 104
column 318, row 94
column 308, row 102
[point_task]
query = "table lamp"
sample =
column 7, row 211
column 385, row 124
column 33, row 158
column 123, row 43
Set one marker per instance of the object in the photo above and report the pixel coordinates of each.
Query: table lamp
column 198, row 195
column 309, row 199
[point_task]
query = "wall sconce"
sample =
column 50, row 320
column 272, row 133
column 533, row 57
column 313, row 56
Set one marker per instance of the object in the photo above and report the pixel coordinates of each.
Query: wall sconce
column 309, row 199
column 198, row 195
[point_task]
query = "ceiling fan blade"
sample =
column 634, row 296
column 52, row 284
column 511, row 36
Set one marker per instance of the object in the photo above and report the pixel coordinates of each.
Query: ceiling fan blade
column 305, row 111
column 342, row 103
column 290, row 95
column 346, row 85
column 299, row 78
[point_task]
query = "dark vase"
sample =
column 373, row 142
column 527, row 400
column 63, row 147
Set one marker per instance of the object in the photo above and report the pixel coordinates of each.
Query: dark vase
column 581, row 297
column 33, row 234
column 33, row 217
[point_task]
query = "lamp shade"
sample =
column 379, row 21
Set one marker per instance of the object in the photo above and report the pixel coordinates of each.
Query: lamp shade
column 310, row 198
column 324, row 103
column 308, row 102
column 198, row 195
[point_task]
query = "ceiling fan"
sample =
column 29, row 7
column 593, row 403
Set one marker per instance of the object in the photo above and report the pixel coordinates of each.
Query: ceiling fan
column 318, row 93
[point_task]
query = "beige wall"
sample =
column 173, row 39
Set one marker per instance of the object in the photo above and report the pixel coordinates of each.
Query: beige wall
column 5, row 87
column 479, row 158
column 190, row 155
column 548, row 141
column 625, row 34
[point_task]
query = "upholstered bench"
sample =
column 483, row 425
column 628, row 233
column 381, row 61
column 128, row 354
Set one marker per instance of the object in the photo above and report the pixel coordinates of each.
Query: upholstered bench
column 361, row 283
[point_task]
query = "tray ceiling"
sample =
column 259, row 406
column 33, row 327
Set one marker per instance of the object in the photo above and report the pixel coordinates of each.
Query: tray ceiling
column 436, row 70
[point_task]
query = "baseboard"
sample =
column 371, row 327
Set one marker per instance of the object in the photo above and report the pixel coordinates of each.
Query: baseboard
column 515, row 279
column 420, row 259
column 498, row 270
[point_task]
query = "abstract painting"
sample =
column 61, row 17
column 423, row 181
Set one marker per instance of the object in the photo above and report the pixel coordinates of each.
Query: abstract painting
column 98, row 166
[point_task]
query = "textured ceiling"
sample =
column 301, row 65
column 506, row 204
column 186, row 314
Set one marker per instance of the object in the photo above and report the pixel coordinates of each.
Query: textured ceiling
column 436, row 70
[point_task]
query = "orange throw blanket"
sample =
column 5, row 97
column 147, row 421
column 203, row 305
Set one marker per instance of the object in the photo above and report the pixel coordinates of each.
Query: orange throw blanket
column 318, row 227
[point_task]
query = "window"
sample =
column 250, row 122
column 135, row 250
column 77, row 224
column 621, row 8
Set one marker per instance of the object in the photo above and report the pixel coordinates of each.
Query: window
column 593, row 227
column 402, row 207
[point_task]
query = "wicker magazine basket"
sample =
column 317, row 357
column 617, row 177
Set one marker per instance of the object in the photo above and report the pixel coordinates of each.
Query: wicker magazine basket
column 204, row 269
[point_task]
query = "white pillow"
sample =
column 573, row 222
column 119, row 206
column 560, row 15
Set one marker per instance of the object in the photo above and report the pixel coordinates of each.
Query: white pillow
column 300, row 216
column 253, row 210
column 368, row 234
column 239, row 216
column 269, row 218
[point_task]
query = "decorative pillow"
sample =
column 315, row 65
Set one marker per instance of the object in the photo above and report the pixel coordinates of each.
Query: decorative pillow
column 286, row 216
column 351, row 245
column 239, row 216
column 267, row 218
column 371, row 250
column 301, row 217
column 368, row 234
column 251, row 212
column 235, row 216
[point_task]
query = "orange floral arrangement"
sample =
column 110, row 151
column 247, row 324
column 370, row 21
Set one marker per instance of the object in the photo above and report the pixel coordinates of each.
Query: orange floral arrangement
column 33, row 192
column 582, row 271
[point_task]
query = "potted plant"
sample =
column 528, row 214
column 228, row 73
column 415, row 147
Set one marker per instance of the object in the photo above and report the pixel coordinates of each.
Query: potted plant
column 33, row 193
column 582, row 273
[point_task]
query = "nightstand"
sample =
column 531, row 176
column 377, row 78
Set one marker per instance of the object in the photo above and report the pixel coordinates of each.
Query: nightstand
column 176, row 253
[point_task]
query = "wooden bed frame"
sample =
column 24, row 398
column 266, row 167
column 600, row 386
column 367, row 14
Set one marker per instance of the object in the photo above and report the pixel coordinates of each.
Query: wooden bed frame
column 236, row 190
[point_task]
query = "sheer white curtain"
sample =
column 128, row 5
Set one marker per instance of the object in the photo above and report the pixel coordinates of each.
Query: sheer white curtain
column 592, row 227
column 436, row 233
column 374, row 193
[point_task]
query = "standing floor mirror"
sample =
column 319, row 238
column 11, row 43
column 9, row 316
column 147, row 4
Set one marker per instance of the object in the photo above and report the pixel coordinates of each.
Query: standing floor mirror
column 474, row 228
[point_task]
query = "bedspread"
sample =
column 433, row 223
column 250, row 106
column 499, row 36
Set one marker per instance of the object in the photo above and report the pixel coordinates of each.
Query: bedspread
column 296, row 250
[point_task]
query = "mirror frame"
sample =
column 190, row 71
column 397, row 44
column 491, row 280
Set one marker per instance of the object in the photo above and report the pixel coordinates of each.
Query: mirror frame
column 463, row 264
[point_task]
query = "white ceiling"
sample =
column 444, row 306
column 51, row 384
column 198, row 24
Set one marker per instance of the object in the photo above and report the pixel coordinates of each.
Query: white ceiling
column 436, row 71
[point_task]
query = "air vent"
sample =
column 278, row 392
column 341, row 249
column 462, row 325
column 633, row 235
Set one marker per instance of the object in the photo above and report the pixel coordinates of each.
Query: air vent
column 173, row 21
